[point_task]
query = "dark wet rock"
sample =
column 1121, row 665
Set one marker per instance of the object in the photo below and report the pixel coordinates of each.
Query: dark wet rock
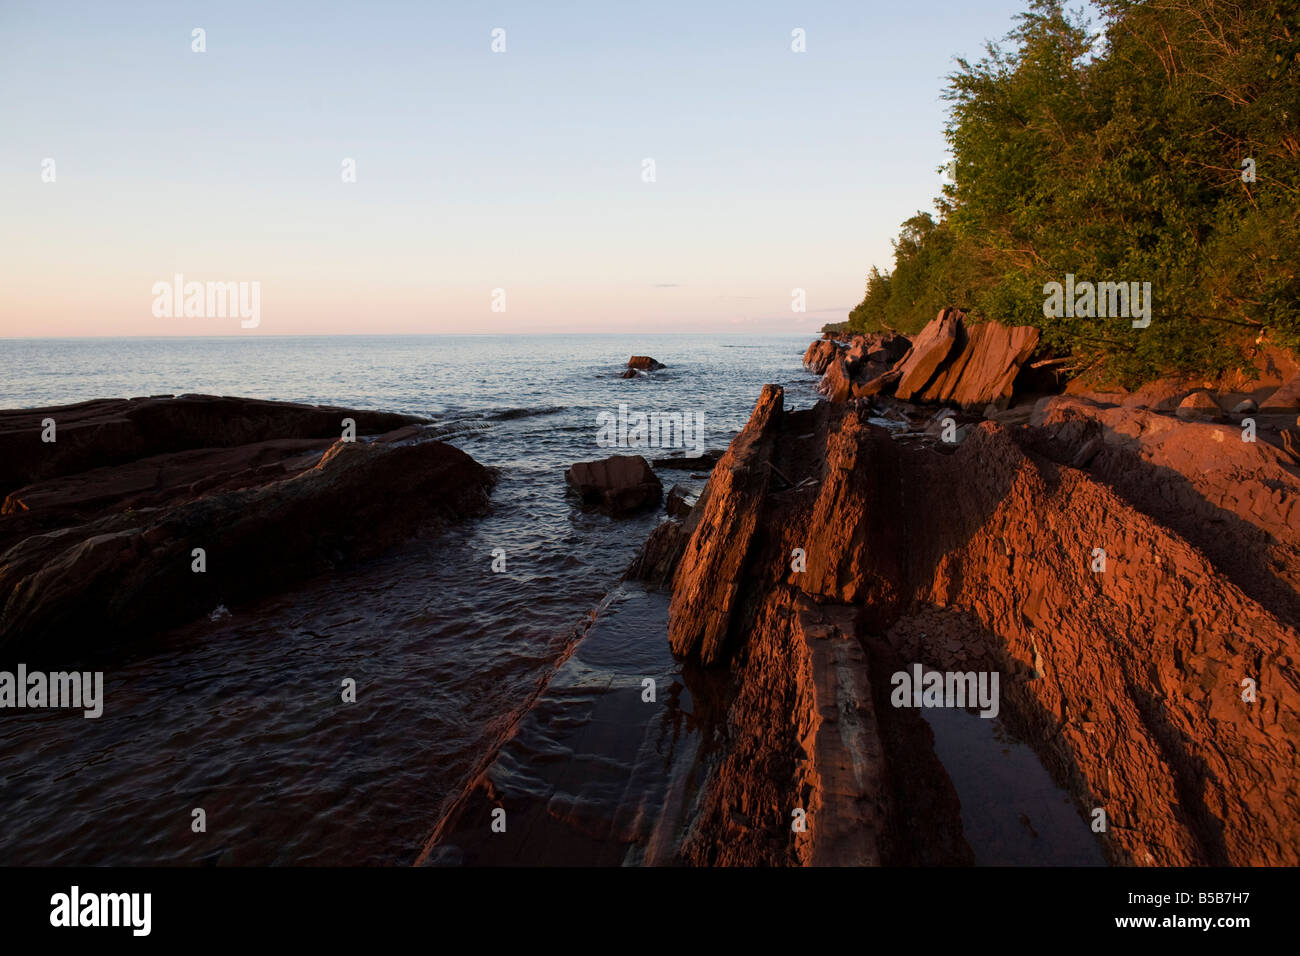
column 620, row 484
column 116, row 430
column 690, row 462
column 131, row 572
column 658, row 557
column 680, row 501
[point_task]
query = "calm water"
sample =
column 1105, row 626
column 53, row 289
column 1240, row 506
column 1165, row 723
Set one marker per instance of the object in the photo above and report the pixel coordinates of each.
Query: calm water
column 243, row 717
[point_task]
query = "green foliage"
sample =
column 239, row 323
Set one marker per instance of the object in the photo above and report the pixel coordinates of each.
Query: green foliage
column 1117, row 156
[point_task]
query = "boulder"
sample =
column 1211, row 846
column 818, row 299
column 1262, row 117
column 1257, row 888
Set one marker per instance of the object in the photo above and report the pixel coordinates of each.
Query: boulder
column 870, row 355
column 1245, row 407
column 1285, row 399
column 836, row 384
column 620, row 484
column 819, row 355
column 1199, row 406
column 644, row 363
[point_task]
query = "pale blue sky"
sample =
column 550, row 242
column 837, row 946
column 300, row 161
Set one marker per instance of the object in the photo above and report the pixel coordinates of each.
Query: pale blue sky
column 775, row 170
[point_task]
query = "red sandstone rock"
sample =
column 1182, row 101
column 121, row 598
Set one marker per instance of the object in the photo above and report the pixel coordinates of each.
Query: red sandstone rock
column 701, row 606
column 974, row 369
column 819, row 355
column 1285, row 399
column 159, row 480
column 983, row 371
column 1126, row 681
column 936, row 343
column 879, row 385
column 1200, row 406
column 644, row 363
column 836, row 384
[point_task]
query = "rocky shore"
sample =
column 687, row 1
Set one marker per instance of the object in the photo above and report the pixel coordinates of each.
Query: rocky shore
column 1125, row 574
column 1130, row 571
column 121, row 517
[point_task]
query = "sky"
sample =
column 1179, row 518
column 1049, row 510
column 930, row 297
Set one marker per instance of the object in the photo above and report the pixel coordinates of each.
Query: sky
column 494, row 191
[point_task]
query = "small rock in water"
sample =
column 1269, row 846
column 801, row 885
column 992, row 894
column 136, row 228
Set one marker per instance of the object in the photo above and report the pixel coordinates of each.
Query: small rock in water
column 644, row 363
column 220, row 614
column 620, row 484
column 1245, row 407
column 680, row 501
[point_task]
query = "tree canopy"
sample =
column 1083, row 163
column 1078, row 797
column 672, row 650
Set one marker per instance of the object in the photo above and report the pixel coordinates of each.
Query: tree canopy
column 1163, row 147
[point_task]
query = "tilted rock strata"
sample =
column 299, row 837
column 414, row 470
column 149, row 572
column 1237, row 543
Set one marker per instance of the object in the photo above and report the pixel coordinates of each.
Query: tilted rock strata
column 1127, row 681
column 970, row 367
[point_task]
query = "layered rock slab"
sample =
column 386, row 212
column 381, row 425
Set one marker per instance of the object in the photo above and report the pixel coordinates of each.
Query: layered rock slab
column 1127, row 681
column 115, row 430
column 121, row 562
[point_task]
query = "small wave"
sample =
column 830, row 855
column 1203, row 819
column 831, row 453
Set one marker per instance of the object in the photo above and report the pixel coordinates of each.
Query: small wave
column 454, row 428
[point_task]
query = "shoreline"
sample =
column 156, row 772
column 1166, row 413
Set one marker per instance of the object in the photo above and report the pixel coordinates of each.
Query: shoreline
column 785, row 673
column 820, row 643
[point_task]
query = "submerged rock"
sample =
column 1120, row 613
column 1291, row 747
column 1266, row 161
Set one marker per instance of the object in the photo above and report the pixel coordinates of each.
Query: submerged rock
column 701, row 462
